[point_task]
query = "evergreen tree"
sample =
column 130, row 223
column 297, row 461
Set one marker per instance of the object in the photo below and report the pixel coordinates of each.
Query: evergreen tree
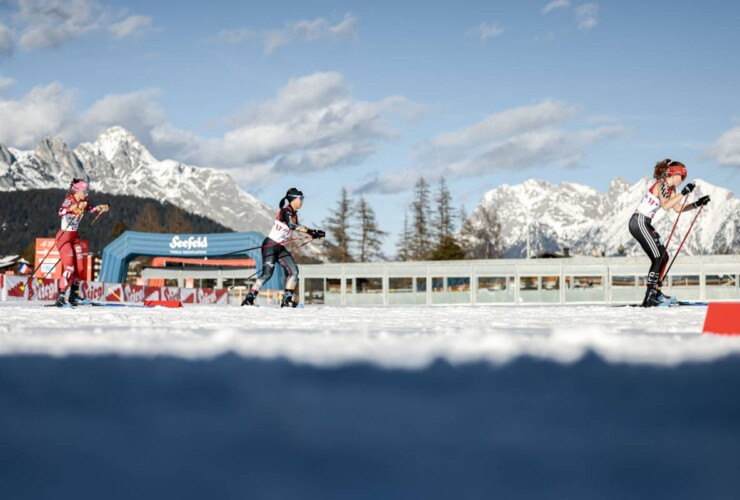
column 338, row 225
column 444, row 220
column 420, row 243
column 403, row 242
column 448, row 249
column 148, row 220
column 369, row 237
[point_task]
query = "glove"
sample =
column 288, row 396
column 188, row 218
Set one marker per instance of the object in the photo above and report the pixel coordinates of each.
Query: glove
column 316, row 233
column 688, row 188
column 701, row 201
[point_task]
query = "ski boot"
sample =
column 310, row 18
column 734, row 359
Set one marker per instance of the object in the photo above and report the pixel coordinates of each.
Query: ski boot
column 667, row 298
column 62, row 301
column 249, row 299
column 288, row 299
column 75, row 299
column 653, row 298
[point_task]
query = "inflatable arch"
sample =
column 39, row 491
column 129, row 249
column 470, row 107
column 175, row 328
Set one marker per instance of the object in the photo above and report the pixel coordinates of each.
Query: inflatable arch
column 131, row 244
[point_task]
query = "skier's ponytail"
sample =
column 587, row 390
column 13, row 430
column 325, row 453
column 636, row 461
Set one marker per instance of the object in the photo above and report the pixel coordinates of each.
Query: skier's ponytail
column 660, row 168
column 290, row 195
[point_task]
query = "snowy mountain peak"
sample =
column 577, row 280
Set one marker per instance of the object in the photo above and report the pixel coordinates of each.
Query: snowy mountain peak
column 118, row 163
column 115, row 139
column 589, row 222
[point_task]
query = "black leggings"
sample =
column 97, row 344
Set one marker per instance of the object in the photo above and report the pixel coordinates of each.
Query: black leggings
column 272, row 253
column 644, row 232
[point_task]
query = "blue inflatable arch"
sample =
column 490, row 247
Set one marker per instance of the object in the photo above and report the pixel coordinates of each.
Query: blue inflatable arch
column 131, row 244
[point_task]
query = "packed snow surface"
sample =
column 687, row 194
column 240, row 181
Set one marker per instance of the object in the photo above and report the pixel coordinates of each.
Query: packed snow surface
column 390, row 337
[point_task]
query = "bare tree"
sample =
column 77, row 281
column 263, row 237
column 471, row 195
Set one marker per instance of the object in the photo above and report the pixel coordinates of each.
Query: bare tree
column 481, row 235
column 148, row 220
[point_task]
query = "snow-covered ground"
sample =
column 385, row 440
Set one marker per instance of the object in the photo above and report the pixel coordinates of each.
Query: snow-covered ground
column 390, row 337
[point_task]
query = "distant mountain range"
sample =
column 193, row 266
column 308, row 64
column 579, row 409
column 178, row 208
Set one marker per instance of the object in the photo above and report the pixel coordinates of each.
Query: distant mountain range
column 556, row 216
column 117, row 163
column 589, row 222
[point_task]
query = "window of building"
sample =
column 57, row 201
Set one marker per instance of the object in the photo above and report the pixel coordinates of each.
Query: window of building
column 369, row 285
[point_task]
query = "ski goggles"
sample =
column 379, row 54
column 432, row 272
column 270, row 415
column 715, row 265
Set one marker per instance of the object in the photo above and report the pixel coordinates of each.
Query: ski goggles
column 300, row 197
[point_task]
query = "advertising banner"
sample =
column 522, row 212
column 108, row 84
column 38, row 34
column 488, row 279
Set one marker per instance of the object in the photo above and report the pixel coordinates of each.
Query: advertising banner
column 46, row 247
column 93, row 290
column 133, row 293
column 188, row 295
column 114, row 292
column 170, row 293
column 152, row 293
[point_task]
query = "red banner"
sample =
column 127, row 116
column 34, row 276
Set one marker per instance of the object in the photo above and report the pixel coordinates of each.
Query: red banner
column 188, row 295
column 19, row 288
column 151, row 293
column 114, row 292
column 46, row 246
column 93, row 290
column 133, row 293
column 170, row 293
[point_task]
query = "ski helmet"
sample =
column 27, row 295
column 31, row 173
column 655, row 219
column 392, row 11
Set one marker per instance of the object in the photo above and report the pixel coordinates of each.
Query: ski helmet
column 676, row 168
column 294, row 193
column 80, row 185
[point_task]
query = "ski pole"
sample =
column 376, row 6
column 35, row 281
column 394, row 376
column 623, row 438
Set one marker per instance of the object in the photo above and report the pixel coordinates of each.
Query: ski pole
column 668, row 241
column 56, row 239
column 684, row 240
column 260, row 270
column 260, row 246
column 80, row 236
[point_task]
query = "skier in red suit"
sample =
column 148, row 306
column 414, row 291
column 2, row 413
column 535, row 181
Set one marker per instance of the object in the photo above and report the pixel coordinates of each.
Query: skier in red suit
column 68, row 242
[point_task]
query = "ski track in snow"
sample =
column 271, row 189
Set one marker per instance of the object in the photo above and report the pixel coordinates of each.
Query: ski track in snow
column 388, row 337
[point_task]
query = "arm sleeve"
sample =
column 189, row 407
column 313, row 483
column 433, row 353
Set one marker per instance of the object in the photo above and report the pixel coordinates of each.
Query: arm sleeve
column 66, row 207
column 286, row 217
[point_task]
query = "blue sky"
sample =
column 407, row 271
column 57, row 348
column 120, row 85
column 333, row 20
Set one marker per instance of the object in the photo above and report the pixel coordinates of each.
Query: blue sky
column 371, row 95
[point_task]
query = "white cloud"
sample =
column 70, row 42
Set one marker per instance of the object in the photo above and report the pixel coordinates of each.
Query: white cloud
column 587, row 16
column 486, row 30
column 726, row 150
column 6, row 40
column 137, row 112
column 133, row 26
column 5, row 83
column 49, row 23
column 44, row 111
column 539, row 135
column 234, row 37
column 43, row 24
column 554, row 5
column 312, row 124
column 303, row 31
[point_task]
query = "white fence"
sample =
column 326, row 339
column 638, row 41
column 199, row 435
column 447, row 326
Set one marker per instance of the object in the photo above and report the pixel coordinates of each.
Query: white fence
column 577, row 280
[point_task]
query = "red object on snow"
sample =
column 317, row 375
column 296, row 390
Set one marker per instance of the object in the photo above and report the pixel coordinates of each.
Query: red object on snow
column 163, row 303
column 723, row 318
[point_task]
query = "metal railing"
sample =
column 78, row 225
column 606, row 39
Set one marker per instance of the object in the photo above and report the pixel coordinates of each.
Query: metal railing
column 577, row 280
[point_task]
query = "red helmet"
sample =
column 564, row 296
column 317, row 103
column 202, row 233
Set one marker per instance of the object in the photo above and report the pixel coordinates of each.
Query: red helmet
column 676, row 168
